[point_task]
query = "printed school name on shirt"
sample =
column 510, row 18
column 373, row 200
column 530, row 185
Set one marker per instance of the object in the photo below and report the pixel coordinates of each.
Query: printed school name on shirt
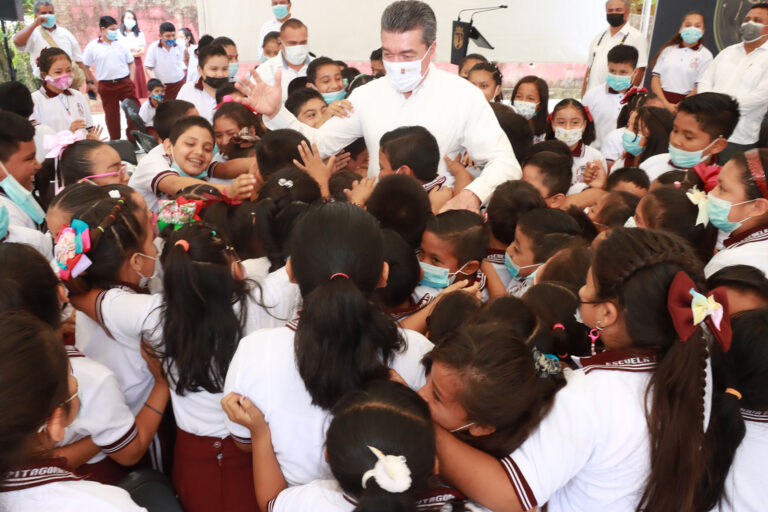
column 35, row 472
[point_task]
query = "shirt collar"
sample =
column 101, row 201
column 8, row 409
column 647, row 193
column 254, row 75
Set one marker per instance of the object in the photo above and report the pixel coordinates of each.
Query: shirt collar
column 50, row 94
column 579, row 150
column 694, row 47
column 41, row 472
column 199, row 84
column 734, row 239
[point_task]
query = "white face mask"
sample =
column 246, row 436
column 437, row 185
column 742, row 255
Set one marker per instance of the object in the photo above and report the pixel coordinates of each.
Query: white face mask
column 405, row 76
column 296, row 54
column 570, row 137
column 526, row 109
column 630, row 223
column 145, row 280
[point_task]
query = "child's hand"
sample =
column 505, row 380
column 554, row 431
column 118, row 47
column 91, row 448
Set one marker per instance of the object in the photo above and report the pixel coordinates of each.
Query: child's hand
column 312, row 164
column 595, row 174
column 95, row 133
column 438, row 197
column 243, row 187
column 455, row 165
column 241, row 410
column 253, row 170
column 78, row 124
column 467, row 161
column 154, row 364
column 361, row 191
column 342, row 159
column 341, row 108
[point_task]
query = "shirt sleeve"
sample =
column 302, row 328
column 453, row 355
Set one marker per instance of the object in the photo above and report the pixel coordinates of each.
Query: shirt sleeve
column 125, row 315
column 642, row 50
column 658, row 69
column 141, row 40
column 235, row 382
column 706, row 61
column 707, row 79
column 127, row 55
column 592, row 50
column 86, row 110
column 757, row 97
column 88, row 55
column 77, row 53
column 107, row 418
column 149, row 60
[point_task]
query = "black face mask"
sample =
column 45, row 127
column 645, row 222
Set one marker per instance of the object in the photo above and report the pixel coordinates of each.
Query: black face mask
column 216, row 82
column 615, row 20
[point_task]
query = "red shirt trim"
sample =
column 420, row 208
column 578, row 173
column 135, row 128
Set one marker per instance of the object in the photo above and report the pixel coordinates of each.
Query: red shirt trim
column 757, row 234
column 199, row 84
column 637, row 360
column 45, row 471
column 524, row 493
column 495, row 256
column 50, row 94
column 398, row 314
column 755, row 416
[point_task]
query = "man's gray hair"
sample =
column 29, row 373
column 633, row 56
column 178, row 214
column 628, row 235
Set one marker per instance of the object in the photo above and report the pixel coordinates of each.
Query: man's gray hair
column 42, row 3
column 405, row 15
column 627, row 6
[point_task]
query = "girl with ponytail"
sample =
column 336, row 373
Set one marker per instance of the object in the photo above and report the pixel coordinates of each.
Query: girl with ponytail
column 626, row 432
column 341, row 342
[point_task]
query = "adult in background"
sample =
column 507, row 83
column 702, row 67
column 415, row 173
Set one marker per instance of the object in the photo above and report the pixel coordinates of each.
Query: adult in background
column 282, row 11
column 414, row 92
column 135, row 42
column 741, row 71
column 292, row 61
column 45, row 33
column 618, row 32
column 377, row 64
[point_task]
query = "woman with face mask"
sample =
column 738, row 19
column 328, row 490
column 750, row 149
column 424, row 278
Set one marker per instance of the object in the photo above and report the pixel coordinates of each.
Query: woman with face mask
column 133, row 39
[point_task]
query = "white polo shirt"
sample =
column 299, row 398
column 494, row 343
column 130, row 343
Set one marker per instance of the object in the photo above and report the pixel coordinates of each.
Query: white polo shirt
column 745, row 484
column 61, row 110
column 745, row 77
column 605, row 107
column 41, row 242
column 151, row 169
column 103, row 414
column 268, row 69
column 110, row 60
column 658, row 165
column 37, row 43
column 17, row 216
column 264, row 369
column 602, row 44
column 468, row 125
column 272, row 25
column 167, row 63
column 203, row 102
column 147, row 113
column 680, row 68
column 584, row 155
column 749, row 248
column 612, row 146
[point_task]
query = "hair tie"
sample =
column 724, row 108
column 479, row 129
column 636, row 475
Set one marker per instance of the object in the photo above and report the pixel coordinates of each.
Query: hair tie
column 549, row 118
column 755, row 166
column 391, row 472
column 69, row 252
column 183, row 243
column 285, row 183
column 733, row 392
column 589, row 114
column 339, row 274
column 558, row 326
column 545, row 364
column 688, row 309
column 708, row 174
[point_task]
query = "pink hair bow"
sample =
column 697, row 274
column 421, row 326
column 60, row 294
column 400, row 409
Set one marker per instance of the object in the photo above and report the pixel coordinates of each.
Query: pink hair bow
column 56, row 144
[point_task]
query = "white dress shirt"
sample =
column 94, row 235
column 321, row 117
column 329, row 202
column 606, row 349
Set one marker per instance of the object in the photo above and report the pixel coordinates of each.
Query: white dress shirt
column 61, row 110
column 745, row 77
column 451, row 108
column 602, row 44
column 166, row 63
column 272, row 25
column 680, row 68
column 111, row 60
column 267, row 72
column 37, row 43
column 192, row 73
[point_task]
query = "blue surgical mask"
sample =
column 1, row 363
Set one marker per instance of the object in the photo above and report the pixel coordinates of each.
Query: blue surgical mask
column 437, row 277
column 3, row 221
column 21, row 197
column 691, row 34
column 330, row 97
column 618, row 83
column 719, row 209
column 234, row 67
column 175, row 167
column 514, row 269
column 280, row 11
column 112, row 35
column 169, row 42
column 687, row 159
column 631, row 142
column 50, row 21
column 157, row 97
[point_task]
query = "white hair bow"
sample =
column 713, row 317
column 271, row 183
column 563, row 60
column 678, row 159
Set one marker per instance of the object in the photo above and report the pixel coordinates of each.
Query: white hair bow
column 391, row 472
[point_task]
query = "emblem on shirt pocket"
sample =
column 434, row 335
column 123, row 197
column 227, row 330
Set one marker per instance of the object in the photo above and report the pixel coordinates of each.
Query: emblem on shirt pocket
column 80, row 110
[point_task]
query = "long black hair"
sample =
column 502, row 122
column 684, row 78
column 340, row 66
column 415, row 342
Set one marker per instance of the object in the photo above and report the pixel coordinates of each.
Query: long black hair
column 135, row 28
column 343, row 340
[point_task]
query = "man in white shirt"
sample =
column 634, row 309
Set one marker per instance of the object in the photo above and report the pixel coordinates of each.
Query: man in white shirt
column 619, row 32
column 165, row 61
column 293, row 59
column 34, row 39
column 741, row 71
column 413, row 93
column 282, row 11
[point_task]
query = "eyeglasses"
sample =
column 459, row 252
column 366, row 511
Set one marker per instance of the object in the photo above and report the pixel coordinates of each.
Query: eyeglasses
column 582, row 302
column 122, row 173
column 44, row 426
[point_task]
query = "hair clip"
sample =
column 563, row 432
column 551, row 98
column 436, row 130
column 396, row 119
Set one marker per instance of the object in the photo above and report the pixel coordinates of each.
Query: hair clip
column 733, row 392
column 391, row 472
column 545, row 364
column 114, row 194
column 688, row 309
column 699, row 198
column 339, row 274
column 183, row 244
column 285, row 183
column 589, row 114
column 71, row 245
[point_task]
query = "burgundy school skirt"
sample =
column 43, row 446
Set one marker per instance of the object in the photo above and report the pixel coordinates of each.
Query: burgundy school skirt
column 140, row 79
column 212, row 474
column 674, row 97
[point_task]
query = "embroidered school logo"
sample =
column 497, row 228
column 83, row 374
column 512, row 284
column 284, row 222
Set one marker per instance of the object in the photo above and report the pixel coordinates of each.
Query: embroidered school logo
column 80, row 110
column 458, row 38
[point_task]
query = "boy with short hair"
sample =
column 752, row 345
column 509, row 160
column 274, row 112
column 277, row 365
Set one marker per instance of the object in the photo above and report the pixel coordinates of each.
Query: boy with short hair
column 604, row 102
column 147, row 111
column 629, row 179
column 550, row 174
column 411, row 151
column 165, row 61
column 700, row 132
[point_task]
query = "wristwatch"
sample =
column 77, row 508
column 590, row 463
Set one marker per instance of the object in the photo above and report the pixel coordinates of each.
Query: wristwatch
column 90, row 82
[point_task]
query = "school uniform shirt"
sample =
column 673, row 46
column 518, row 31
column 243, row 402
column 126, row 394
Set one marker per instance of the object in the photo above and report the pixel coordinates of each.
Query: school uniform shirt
column 41, row 242
column 167, row 63
column 582, row 155
column 41, row 130
column 151, row 169
column 59, row 111
column 518, row 286
column 602, row 44
column 268, row 69
column 132, row 41
column 612, row 146
column 745, row 484
column 496, row 258
column 264, row 369
column 17, row 216
column 411, row 308
column 110, row 60
column 257, row 269
column 680, row 68
column 64, row 40
column 103, row 414
column 469, row 125
column 147, row 113
column 195, row 94
column 658, row 165
column 50, row 484
column 192, row 74
column 748, row 248
column 745, row 77
column 272, row 25
column 605, row 105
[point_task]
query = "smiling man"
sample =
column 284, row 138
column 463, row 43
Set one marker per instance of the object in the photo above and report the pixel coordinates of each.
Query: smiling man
column 414, row 92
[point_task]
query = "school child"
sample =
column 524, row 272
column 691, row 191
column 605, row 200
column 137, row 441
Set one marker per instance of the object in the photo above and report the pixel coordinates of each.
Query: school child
column 628, row 179
column 308, row 106
column 56, row 104
column 737, row 438
column 165, row 61
column 551, row 175
column 63, row 204
column 134, row 40
column 341, row 342
column 232, row 56
column 364, row 477
column 612, row 210
column 572, row 123
column 359, row 157
column 236, row 130
column 637, row 409
column 114, row 68
column 40, row 400
column 19, row 165
column 530, row 99
column 404, row 275
column 681, row 62
column 451, row 312
column 646, row 135
column 567, row 267
column 509, row 201
column 699, row 134
column 325, row 76
column 452, row 248
column 157, row 93
column 605, row 102
column 278, row 149
column 745, row 286
column 738, row 206
column 91, row 161
column 412, row 151
column 516, row 128
column 399, row 203
column 613, row 147
column 213, row 66
column 487, row 77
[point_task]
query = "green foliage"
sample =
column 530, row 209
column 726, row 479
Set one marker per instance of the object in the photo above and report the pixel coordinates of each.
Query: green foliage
column 20, row 61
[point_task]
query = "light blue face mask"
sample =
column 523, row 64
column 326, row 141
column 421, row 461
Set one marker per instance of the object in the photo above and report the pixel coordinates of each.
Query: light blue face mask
column 3, row 222
column 514, row 269
column 687, row 159
column 719, row 209
column 330, row 97
column 50, row 21
column 175, row 167
column 437, row 277
column 21, row 197
column 112, row 35
column 280, row 11
column 618, row 83
column 234, row 67
column 631, row 142
column 691, row 35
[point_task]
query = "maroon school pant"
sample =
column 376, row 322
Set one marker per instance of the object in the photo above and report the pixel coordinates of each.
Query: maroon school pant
column 112, row 92
column 172, row 90
column 212, row 474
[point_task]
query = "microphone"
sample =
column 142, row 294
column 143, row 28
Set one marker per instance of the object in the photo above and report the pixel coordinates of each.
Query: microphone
column 480, row 9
